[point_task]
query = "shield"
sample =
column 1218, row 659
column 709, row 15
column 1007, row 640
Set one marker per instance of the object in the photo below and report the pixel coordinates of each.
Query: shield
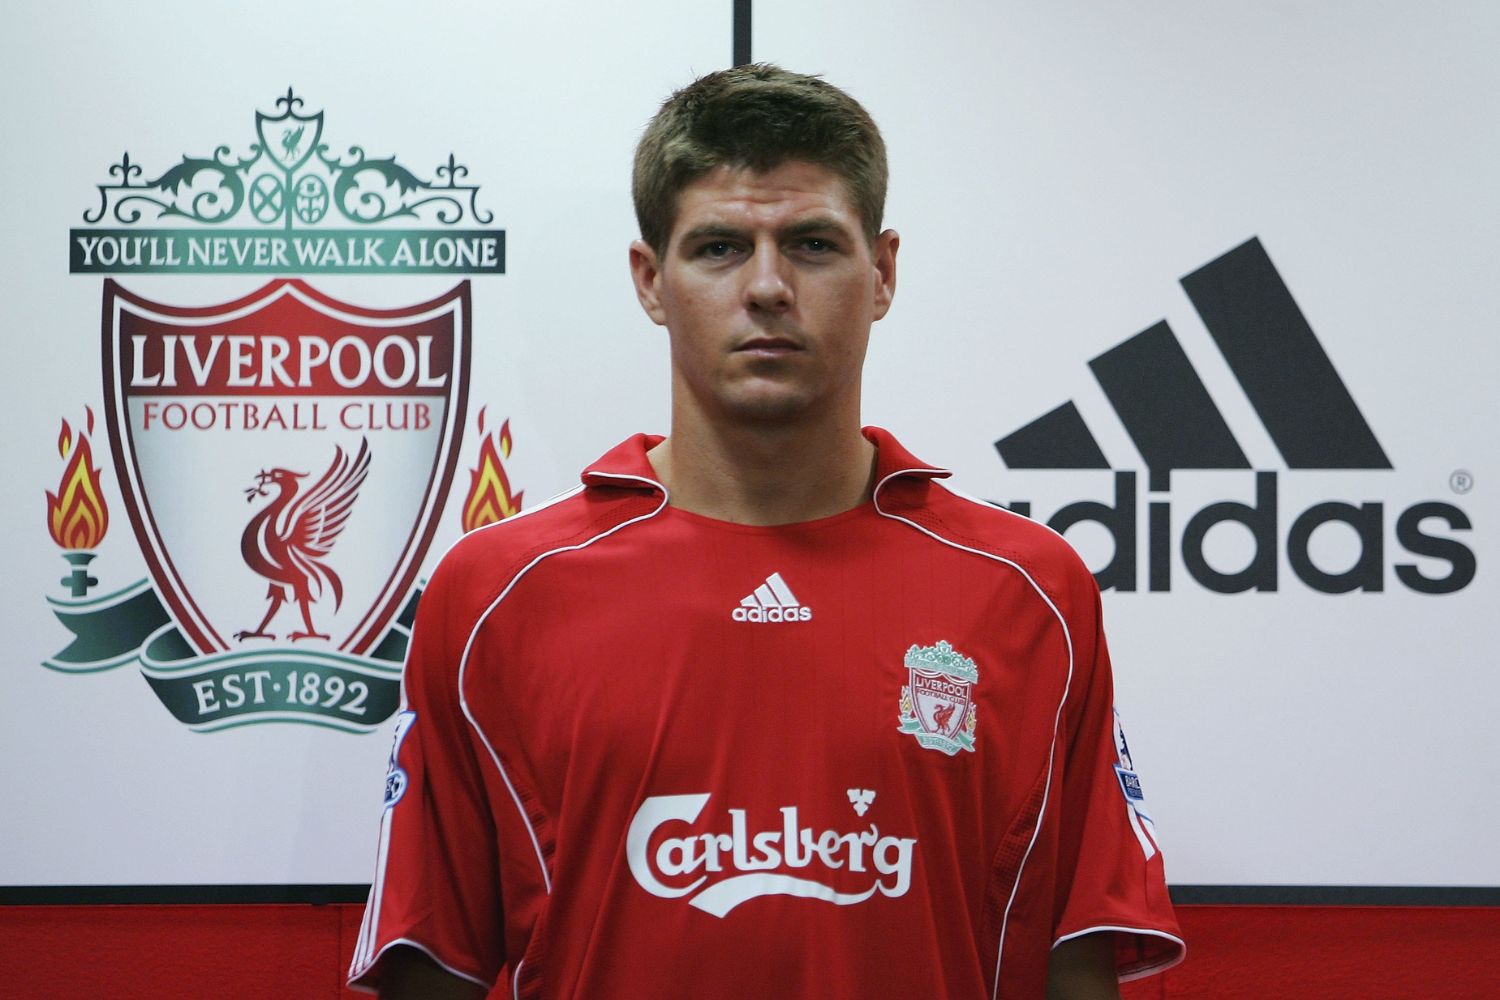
column 941, row 702
column 284, row 457
column 289, row 138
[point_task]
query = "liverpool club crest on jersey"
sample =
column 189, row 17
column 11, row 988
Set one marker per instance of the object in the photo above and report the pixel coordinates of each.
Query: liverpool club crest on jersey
column 937, row 702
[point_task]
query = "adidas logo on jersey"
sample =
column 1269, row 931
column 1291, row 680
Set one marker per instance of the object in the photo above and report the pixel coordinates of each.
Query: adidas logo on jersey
column 772, row 601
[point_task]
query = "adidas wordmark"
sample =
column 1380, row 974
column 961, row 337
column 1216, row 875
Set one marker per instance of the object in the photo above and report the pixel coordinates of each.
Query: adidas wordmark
column 772, row 601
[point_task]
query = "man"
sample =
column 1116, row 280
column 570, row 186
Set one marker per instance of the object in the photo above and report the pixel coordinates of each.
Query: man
column 762, row 708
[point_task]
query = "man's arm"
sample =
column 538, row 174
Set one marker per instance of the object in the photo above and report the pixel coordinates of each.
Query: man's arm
column 1083, row 968
column 411, row 975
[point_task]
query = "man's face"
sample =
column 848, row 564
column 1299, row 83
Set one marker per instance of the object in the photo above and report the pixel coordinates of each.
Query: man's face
column 767, row 288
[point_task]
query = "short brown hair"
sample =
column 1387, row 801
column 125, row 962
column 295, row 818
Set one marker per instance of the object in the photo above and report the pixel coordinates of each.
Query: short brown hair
column 755, row 117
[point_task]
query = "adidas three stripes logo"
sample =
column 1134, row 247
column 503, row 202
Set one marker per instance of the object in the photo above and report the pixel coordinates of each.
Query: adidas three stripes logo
column 772, row 601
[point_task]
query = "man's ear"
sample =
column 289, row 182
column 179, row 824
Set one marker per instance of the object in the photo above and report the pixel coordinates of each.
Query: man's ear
column 884, row 252
column 645, row 271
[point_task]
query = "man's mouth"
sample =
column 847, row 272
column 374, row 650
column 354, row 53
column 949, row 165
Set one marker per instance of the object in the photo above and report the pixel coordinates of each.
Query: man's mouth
column 768, row 346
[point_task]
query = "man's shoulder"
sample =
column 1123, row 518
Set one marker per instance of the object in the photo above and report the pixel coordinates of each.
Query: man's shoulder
column 957, row 519
column 486, row 559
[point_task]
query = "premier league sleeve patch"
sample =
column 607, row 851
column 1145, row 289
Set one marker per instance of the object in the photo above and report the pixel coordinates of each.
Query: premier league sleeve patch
column 395, row 776
column 1130, row 784
column 1130, row 788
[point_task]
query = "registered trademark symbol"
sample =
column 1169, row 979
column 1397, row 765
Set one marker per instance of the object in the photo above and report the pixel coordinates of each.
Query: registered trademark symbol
column 1462, row 481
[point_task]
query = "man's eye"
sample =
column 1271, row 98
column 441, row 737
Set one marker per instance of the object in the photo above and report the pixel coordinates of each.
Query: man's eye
column 814, row 244
column 717, row 250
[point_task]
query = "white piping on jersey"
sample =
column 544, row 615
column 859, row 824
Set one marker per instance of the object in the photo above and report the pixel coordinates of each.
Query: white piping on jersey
column 367, row 925
column 371, row 920
column 550, row 501
column 1140, row 823
column 463, row 662
column 1056, row 718
column 1146, row 970
column 515, row 980
column 1004, row 510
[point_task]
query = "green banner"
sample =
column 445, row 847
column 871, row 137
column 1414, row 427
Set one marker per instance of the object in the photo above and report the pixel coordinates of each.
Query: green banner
column 107, row 631
column 937, row 741
column 222, row 690
column 280, row 685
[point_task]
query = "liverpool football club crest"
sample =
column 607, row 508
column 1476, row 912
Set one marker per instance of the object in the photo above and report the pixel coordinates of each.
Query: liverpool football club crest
column 937, row 702
column 339, row 425
column 285, row 458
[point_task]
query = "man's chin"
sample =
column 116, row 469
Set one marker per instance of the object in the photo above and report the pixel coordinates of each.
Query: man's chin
column 769, row 409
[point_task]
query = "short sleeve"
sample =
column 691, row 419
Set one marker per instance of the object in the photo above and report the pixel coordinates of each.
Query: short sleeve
column 1114, row 880
column 437, row 882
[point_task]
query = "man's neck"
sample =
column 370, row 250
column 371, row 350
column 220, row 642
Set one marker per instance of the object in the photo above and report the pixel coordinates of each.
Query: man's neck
column 765, row 475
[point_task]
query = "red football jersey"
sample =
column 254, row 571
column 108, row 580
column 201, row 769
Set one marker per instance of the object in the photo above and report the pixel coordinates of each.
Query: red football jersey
column 644, row 753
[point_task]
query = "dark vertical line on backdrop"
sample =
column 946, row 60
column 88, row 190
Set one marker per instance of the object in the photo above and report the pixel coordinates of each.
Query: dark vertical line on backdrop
column 741, row 32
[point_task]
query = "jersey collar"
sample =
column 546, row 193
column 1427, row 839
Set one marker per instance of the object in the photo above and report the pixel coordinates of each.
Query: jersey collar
column 626, row 466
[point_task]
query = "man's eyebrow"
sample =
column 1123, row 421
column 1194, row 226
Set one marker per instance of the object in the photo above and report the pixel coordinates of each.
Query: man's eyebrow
column 803, row 227
column 817, row 224
column 712, row 230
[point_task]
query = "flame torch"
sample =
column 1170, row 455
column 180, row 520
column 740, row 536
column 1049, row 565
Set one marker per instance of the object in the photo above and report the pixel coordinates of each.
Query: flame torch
column 490, row 498
column 77, row 517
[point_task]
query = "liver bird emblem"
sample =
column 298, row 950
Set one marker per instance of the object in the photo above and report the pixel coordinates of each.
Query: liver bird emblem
column 288, row 540
column 291, row 138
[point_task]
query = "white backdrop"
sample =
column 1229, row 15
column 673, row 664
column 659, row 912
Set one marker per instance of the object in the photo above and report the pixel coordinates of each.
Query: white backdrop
column 1056, row 169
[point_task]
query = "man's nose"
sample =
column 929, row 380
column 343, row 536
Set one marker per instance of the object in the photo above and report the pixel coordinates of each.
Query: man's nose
column 768, row 284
